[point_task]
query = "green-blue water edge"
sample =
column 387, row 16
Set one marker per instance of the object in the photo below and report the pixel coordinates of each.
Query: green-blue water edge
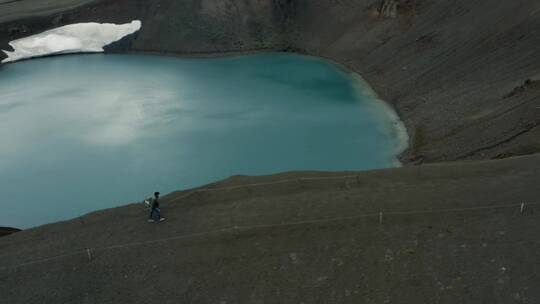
column 85, row 132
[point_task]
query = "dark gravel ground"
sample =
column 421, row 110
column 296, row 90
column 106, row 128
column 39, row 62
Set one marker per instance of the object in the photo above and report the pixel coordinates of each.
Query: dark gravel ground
column 449, row 233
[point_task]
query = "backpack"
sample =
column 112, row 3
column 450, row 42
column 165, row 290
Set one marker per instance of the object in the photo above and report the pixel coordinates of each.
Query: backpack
column 148, row 202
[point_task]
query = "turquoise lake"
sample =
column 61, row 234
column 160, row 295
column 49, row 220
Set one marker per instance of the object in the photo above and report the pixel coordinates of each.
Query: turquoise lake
column 80, row 133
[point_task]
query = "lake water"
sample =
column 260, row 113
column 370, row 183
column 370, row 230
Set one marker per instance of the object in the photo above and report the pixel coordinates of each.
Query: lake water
column 85, row 132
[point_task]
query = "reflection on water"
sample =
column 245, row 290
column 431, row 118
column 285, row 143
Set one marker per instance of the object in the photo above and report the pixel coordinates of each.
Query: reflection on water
column 80, row 133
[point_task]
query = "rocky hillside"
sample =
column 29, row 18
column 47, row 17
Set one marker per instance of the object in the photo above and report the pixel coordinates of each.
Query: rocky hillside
column 169, row 26
column 450, row 233
column 464, row 75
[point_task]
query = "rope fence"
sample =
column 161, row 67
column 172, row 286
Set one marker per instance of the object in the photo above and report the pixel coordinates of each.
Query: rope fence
column 284, row 181
column 378, row 215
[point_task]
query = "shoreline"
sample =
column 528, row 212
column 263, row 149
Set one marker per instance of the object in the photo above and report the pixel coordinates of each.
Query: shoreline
column 398, row 125
column 386, row 121
column 399, row 128
column 5, row 231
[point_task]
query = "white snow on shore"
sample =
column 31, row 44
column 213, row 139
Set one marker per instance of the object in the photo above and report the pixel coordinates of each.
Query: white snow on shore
column 74, row 38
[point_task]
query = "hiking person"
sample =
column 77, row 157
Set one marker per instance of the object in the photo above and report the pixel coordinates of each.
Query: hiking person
column 155, row 209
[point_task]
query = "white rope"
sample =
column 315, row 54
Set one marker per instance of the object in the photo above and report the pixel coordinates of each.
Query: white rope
column 237, row 228
column 284, row 181
column 58, row 257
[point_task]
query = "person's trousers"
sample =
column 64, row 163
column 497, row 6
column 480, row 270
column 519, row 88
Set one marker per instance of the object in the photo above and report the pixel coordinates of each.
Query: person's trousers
column 155, row 211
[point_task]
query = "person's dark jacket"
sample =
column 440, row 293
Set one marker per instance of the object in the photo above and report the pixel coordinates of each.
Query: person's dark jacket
column 155, row 203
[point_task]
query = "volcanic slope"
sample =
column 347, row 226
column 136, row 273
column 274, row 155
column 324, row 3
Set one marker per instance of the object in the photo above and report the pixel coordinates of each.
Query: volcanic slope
column 441, row 233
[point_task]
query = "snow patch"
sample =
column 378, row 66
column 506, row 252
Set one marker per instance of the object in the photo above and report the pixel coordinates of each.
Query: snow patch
column 74, row 38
